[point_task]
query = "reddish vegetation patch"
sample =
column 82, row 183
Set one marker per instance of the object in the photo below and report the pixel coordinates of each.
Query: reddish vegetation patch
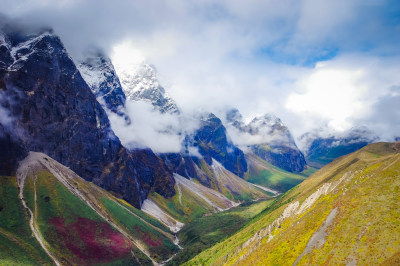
column 146, row 237
column 91, row 241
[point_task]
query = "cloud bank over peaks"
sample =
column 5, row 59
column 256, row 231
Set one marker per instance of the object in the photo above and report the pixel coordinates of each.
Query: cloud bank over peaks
column 345, row 92
column 162, row 132
column 311, row 62
column 262, row 129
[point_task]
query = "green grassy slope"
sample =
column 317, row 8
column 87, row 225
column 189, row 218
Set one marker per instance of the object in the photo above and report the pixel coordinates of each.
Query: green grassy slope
column 206, row 231
column 186, row 205
column 75, row 233
column 194, row 200
column 345, row 213
column 17, row 245
column 78, row 222
column 262, row 173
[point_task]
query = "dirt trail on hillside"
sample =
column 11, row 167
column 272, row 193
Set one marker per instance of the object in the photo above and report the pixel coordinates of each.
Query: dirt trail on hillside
column 24, row 168
column 180, row 194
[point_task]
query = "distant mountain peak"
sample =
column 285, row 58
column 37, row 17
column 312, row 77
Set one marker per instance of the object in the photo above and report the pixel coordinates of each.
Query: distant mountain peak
column 234, row 115
column 270, row 139
column 22, row 47
column 140, row 83
column 267, row 119
column 99, row 73
column 323, row 145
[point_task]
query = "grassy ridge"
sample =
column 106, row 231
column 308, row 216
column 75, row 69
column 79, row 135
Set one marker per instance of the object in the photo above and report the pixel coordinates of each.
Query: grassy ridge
column 158, row 244
column 143, row 215
column 17, row 245
column 365, row 230
column 61, row 211
column 185, row 212
column 205, row 232
column 74, row 231
column 94, row 228
column 230, row 185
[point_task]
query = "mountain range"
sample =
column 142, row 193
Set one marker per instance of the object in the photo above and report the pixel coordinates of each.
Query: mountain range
column 73, row 193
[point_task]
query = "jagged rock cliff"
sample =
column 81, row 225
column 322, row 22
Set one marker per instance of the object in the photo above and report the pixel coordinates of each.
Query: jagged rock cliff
column 99, row 73
column 55, row 112
column 212, row 141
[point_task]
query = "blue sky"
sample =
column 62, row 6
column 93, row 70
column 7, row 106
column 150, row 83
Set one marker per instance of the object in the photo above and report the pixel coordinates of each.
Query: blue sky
column 314, row 63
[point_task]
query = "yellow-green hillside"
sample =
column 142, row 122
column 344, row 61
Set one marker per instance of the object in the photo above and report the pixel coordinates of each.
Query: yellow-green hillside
column 346, row 213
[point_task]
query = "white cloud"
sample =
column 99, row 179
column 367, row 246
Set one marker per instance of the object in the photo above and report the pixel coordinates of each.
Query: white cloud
column 246, row 54
column 334, row 94
column 341, row 92
column 5, row 118
column 162, row 132
column 244, row 139
column 125, row 56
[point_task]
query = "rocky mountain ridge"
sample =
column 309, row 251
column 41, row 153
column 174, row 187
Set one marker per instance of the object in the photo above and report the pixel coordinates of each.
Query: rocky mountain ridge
column 55, row 112
column 269, row 139
column 323, row 146
column 99, row 73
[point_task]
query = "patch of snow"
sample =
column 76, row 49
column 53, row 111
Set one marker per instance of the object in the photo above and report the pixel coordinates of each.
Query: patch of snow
column 98, row 71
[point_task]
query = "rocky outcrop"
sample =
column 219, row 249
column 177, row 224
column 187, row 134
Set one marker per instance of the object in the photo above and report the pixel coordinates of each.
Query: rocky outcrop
column 152, row 168
column 183, row 165
column 287, row 158
column 11, row 153
column 211, row 139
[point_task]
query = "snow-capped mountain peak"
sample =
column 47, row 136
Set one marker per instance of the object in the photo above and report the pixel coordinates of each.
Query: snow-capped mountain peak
column 139, row 82
column 99, row 73
column 21, row 48
column 267, row 120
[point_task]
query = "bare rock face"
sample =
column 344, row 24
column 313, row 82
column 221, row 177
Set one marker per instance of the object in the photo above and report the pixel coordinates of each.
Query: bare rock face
column 180, row 163
column 11, row 153
column 99, row 73
column 211, row 139
column 55, row 112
